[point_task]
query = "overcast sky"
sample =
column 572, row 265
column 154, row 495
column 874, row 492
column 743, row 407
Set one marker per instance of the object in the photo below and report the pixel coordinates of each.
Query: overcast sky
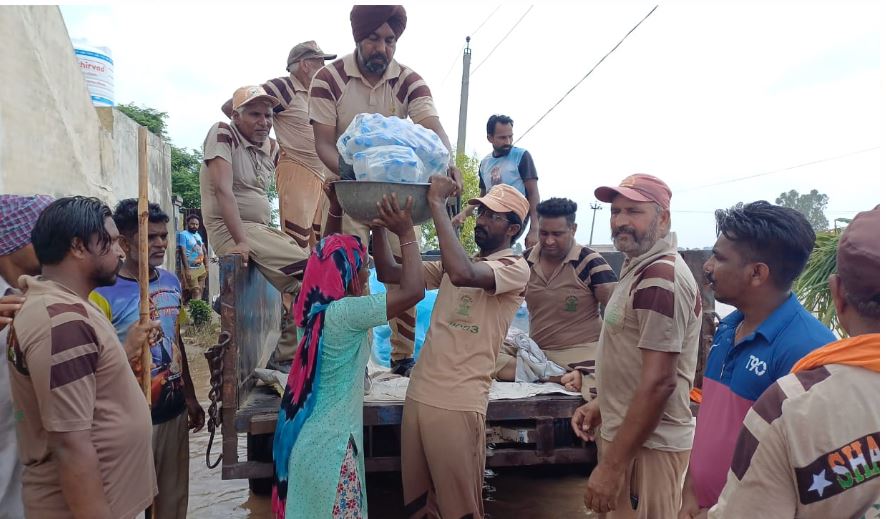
column 700, row 94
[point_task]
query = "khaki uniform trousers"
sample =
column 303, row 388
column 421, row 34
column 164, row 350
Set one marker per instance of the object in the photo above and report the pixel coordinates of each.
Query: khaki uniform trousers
column 443, row 458
column 654, row 481
column 171, row 457
column 281, row 261
column 303, row 204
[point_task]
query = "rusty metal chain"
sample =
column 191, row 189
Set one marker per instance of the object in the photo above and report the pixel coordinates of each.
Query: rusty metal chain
column 214, row 356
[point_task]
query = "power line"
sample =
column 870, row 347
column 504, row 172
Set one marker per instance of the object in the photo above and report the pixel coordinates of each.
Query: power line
column 486, row 20
column 804, row 164
column 460, row 52
column 451, row 67
column 501, row 41
column 586, row 75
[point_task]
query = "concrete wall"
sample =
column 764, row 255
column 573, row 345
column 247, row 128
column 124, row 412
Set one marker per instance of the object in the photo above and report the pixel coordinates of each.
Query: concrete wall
column 49, row 133
column 52, row 140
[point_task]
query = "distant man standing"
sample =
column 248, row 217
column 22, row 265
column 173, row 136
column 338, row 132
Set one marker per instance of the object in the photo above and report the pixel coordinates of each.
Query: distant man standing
column 174, row 406
column 810, row 446
column 192, row 253
column 300, row 173
column 238, row 162
column 85, row 431
column 371, row 81
column 568, row 285
column 646, row 363
column 18, row 214
column 760, row 250
column 507, row 164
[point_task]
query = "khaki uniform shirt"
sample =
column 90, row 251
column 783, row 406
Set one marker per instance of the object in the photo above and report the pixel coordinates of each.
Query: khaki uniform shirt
column 339, row 92
column 809, row 448
column 563, row 310
column 467, row 329
column 291, row 124
column 655, row 306
column 253, row 170
column 70, row 373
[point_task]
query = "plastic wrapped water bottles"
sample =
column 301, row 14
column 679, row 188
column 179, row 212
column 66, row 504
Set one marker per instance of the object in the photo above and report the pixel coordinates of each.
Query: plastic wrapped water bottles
column 392, row 149
column 389, row 164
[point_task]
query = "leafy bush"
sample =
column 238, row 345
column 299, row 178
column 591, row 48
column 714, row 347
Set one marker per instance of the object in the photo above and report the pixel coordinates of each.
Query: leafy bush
column 812, row 286
column 200, row 312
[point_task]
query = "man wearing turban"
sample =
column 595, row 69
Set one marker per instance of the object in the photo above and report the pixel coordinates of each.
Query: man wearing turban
column 18, row 214
column 371, row 81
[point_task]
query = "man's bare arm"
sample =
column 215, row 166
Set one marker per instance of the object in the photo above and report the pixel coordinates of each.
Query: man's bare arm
column 462, row 271
column 79, row 474
column 324, row 142
column 658, row 379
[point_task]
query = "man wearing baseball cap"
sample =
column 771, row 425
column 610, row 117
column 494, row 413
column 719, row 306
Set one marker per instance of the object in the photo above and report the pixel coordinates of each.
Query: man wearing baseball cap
column 810, row 446
column 300, row 173
column 646, row 362
column 18, row 214
column 443, row 436
column 370, row 80
column 238, row 164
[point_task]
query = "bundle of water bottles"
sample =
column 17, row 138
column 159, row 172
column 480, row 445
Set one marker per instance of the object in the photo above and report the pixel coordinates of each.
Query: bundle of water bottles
column 391, row 149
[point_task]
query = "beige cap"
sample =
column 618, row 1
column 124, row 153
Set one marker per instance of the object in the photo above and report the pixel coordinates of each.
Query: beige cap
column 248, row 94
column 503, row 198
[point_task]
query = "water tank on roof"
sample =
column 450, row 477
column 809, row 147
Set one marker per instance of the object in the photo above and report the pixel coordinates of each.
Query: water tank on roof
column 98, row 71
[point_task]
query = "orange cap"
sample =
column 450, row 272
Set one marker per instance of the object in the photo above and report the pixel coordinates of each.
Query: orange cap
column 248, row 94
column 503, row 198
column 638, row 187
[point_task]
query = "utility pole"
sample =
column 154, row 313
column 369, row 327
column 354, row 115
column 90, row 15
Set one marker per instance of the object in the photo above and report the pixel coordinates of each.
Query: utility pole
column 594, row 207
column 463, row 109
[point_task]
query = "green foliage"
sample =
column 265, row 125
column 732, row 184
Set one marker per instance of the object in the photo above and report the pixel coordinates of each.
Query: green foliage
column 186, row 176
column 812, row 205
column 153, row 120
column 200, row 312
column 469, row 167
column 812, row 286
column 185, row 164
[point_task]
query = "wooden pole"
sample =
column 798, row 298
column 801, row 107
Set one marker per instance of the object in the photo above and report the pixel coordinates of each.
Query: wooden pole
column 144, row 308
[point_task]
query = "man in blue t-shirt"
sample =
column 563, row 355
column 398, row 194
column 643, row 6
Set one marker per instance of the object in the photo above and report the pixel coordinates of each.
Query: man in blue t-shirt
column 510, row 165
column 760, row 250
column 172, row 392
column 191, row 251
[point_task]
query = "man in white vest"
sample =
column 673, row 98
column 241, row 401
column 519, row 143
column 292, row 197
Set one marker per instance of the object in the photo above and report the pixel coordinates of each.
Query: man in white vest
column 507, row 164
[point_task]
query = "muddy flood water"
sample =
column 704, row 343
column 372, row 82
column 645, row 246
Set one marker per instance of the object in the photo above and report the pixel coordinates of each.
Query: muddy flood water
column 528, row 492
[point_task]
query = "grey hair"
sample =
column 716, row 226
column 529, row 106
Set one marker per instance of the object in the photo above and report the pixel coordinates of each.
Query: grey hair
column 658, row 211
column 869, row 309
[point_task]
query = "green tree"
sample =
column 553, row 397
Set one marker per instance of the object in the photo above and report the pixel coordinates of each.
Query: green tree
column 186, row 176
column 153, row 120
column 185, row 163
column 812, row 205
column 469, row 167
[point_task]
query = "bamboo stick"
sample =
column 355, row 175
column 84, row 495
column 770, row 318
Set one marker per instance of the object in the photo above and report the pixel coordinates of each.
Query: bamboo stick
column 144, row 308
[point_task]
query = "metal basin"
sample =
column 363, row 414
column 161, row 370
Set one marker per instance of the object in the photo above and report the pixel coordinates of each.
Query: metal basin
column 358, row 198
